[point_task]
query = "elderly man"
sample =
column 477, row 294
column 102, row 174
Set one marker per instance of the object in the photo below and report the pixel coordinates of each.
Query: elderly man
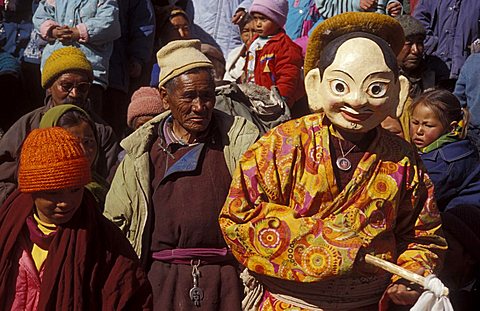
column 173, row 181
column 313, row 196
column 413, row 66
column 67, row 77
column 411, row 57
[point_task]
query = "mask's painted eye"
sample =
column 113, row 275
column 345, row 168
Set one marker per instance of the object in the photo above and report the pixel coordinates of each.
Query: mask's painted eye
column 339, row 87
column 377, row 89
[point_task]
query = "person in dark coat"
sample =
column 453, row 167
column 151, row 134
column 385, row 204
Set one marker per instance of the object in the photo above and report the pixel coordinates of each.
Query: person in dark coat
column 451, row 27
column 67, row 77
column 10, row 88
column 467, row 91
column 130, row 59
column 411, row 59
column 462, row 261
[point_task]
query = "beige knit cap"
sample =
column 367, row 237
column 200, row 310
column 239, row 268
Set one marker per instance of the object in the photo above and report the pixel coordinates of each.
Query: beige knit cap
column 178, row 57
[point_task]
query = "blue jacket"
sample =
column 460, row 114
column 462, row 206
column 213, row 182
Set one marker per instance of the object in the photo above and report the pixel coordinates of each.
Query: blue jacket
column 214, row 21
column 455, row 172
column 15, row 27
column 98, row 17
column 302, row 15
column 36, row 44
column 468, row 88
column 452, row 25
column 137, row 22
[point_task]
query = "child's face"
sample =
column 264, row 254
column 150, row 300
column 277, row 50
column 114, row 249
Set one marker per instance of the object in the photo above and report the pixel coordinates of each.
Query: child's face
column 85, row 135
column 57, row 206
column 248, row 32
column 425, row 127
column 264, row 26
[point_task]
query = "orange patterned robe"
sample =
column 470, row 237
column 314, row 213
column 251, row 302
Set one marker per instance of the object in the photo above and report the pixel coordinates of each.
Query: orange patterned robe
column 285, row 217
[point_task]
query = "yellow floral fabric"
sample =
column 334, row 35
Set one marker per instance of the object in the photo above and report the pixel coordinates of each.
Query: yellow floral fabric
column 285, row 216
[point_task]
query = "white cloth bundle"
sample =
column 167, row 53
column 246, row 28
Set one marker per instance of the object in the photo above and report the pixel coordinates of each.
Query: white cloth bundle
column 433, row 298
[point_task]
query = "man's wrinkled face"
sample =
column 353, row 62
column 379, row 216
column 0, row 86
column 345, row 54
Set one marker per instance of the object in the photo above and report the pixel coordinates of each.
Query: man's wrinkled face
column 70, row 88
column 191, row 103
column 411, row 55
column 358, row 90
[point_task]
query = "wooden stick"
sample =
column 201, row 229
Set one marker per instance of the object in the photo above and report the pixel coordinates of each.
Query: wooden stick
column 402, row 272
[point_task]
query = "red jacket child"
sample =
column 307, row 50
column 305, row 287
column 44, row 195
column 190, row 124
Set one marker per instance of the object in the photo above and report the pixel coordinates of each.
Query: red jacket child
column 280, row 63
column 277, row 60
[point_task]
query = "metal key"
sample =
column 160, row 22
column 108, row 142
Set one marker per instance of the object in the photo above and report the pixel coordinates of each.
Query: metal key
column 196, row 293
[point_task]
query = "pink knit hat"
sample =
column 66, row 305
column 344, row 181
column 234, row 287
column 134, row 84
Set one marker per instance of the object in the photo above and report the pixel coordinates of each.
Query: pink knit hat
column 276, row 10
column 145, row 101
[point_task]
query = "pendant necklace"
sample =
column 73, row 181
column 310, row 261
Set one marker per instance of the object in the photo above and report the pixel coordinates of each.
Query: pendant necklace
column 342, row 162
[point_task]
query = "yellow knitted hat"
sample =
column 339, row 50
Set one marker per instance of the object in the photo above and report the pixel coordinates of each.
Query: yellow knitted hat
column 52, row 159
column 64, row 60
column 381, row 25
column 178, row 57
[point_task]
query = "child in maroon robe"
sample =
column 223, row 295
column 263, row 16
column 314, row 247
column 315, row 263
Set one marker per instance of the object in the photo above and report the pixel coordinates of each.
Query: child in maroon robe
column 57, row 252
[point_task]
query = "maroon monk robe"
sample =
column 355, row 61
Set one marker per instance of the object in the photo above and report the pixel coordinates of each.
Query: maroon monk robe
column 90, row 264
column 186, row 205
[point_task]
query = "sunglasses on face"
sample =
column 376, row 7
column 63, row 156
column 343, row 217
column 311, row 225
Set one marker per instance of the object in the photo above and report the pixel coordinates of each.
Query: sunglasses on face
column 81, row 87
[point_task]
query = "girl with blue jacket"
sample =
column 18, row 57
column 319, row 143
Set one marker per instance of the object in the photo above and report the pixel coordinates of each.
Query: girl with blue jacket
column 438, row 128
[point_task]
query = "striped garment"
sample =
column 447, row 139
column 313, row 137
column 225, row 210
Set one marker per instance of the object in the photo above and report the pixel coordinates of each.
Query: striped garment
column 329, row 8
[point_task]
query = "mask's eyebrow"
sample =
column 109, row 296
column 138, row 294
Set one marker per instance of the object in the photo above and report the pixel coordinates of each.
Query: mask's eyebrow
column 379, row 73
column 344, row 72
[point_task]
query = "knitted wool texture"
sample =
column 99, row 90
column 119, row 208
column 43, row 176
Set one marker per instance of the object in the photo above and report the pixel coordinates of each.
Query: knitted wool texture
column 178, row 57
column 276, row 10
column 145, row 102
column 381, row 25
column 52, row 159
column 411, row 26
column 63, row 60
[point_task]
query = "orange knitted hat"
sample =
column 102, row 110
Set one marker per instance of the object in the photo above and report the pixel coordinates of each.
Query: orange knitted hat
column 52, row 159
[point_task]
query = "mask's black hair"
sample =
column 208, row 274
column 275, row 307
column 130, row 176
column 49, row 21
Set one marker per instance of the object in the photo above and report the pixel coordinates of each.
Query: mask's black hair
column 328, row 54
